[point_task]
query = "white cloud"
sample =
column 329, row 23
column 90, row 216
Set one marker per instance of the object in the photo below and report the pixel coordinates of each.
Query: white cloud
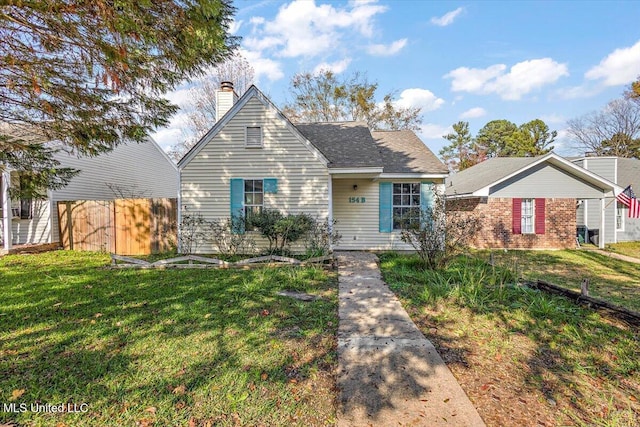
column 263, row 66
column 447, row 18
column 302, row 28
column 473, row 113
column 619, row 67
column 553, row 118
column 434, row 131
column 180, row 96
column 416, row 97
column 387, row 50
column 336, row 67
column 172, row 134
column 521, row 79
column 577, row 92
column 235, row 26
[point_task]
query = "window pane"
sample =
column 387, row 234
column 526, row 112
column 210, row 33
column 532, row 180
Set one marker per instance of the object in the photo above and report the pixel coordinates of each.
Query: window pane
column 415, row 188
column 257, row 199
column 406, row 200
column 248, row 185
column 257, row 185
column 397, row 212
column 397, row 199
column 248, row 198
column 415, row 200
column 397, row 188
column 406, row 188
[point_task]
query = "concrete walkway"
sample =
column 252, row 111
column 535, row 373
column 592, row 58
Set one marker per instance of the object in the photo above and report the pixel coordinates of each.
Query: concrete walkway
column 616, row 256
column 389, row 373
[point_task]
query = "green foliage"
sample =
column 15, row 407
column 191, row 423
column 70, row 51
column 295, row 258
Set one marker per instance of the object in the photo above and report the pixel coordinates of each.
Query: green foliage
column 281, row 230
column 324, row 97
column 498, row 138
column 321, row 237
column 91, row 74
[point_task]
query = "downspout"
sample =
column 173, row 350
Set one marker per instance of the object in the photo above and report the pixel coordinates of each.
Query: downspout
column 603, row 211
column 6, row 211
column 179, row 225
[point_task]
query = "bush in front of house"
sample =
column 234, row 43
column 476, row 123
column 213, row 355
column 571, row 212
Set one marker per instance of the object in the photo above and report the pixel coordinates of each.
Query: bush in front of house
column 279, row 229
column 439, row 236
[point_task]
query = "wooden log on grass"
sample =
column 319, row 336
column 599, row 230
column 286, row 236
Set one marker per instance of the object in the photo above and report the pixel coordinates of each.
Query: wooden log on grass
column 629, row 316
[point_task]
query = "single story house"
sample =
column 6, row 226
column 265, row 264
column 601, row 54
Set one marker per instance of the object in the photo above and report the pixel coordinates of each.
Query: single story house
column 255, row 157
column 618, row 227
column 129, row 171
column 526, row 202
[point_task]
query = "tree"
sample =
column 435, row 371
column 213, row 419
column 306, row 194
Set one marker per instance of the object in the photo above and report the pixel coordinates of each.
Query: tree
column 611, row 131
column 324, row 97
column 462, row 152
column 634, row 91
column 201, row 108
column 498, row 138
column 92, row 74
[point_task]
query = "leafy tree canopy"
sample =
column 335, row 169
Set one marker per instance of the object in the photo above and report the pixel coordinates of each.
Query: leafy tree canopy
column 325, row 97
column 92, row 74
column 498, row 138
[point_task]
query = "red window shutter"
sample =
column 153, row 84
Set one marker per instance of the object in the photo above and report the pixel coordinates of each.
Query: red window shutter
column 540, row 216
column 516, row 213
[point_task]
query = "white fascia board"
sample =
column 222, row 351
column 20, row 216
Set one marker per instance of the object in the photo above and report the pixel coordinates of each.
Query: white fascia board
column 334, row 171
column 253, row 91
column 414, row 175
column 461, row 196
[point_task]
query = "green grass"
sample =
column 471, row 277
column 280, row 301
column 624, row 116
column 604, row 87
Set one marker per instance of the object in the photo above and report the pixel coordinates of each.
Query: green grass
column 610, row 279
column 631, row 249
column 535, row 346
column 168, row 347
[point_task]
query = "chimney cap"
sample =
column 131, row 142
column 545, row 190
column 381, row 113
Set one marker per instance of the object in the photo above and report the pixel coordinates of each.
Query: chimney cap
column 226, row 86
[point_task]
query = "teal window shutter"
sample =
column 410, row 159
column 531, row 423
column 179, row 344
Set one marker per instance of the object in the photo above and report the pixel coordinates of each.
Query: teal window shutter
column 386, row 208
column 270, row 185
column 237, row 205
column 426, row 201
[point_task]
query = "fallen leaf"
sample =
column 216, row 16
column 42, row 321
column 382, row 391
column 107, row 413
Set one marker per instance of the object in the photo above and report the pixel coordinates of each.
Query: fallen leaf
column 264, row 312
column 98, row 315
column 192, row 422
column 180, row 405
column 145, row 422
column 180, row 390
column 485, row 387
column 293, row 381
column 58, row 304
column 151, row 409
column 633, row 398
column 447, row 400
column 264, row 376
column 206, row 316
column 498, row 357
column 17, row 394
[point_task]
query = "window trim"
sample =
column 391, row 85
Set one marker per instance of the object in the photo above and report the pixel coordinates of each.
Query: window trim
column 394, row 225
column 245, row 205
column 260, row 144
column 620, row 210
column 532, row 230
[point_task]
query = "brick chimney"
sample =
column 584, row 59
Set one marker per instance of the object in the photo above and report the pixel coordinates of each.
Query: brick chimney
column 225, row 98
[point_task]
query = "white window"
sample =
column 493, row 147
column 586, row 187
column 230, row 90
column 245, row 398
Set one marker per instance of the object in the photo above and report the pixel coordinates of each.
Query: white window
column 620, row 217
column 406, row 205
column 253, row 137
column 527, row 216
column 253, row 197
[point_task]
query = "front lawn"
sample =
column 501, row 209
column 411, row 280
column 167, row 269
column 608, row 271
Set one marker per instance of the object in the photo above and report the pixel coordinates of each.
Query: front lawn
column 631, row 249
column 165, row 347
column 523, row 357
column 610, row 279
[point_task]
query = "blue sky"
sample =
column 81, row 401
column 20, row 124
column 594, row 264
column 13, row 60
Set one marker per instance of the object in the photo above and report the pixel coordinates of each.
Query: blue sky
column 473, row 61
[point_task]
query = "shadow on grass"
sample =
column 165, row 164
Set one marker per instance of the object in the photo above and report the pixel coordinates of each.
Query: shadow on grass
column 569, row 348
column 200, row 345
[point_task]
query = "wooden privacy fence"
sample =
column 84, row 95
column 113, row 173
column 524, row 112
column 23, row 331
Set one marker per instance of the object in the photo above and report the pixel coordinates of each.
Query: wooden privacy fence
column 122, row 226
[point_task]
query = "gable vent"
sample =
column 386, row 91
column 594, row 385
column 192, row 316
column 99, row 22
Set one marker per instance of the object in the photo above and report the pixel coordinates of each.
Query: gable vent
column 253, row 137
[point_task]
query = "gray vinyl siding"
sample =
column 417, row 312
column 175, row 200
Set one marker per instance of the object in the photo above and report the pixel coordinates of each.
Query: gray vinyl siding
column 603, row 166
column 302, row 176
column 358, row 223
column 546, row 181
column 631, row 230
column 129, row 171
column 593, row 211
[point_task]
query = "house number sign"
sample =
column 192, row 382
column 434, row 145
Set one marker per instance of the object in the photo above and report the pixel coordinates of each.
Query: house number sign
column 357, row 199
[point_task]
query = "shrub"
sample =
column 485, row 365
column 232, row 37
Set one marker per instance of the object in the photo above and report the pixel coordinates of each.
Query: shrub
column 439, row 237
column 320, row 238
column 227, row 242
column 280, row 230
column 192, row 233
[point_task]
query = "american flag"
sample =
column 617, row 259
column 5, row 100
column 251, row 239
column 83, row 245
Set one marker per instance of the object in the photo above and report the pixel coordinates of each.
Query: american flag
column 628, row 198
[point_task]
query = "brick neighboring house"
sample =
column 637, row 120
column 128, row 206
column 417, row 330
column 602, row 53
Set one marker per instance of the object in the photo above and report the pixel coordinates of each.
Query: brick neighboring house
column 526, row 202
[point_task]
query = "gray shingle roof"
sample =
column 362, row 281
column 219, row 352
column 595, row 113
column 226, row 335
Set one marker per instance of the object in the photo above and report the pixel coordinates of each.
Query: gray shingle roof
column 403, row 152
column 353, row 145
column 485, row 173
column 344, row 144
